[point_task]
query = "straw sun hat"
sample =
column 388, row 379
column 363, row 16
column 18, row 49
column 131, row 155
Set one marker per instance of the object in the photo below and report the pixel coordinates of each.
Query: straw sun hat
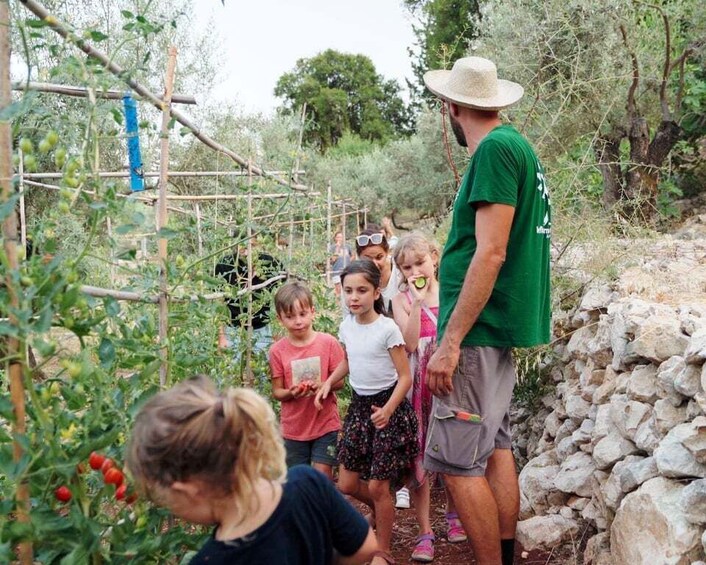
column 473, row 82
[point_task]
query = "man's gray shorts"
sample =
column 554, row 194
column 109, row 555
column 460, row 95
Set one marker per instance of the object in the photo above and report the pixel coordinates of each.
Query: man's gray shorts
column 466, row 426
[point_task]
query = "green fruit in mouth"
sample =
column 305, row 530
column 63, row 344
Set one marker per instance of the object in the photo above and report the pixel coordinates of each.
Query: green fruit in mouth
column 420, row 282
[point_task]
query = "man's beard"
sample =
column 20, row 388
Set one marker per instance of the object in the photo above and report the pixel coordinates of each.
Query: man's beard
column 458, row 131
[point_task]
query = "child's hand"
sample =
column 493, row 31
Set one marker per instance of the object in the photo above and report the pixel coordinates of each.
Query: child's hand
column 380, row 417
column 418, row 294
column 297, row 391
column 321, row 394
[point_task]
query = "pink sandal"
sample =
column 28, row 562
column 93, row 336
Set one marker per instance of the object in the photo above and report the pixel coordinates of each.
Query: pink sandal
column 454, row 529
column 424, row 550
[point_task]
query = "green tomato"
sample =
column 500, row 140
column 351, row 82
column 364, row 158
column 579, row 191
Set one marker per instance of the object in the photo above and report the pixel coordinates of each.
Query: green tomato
column 26, row 145
column 44, row 146
column 52, row 137
column 30, row 163
column 73, row 166
column 60, row 157
column 64, row 207
column 71, row 181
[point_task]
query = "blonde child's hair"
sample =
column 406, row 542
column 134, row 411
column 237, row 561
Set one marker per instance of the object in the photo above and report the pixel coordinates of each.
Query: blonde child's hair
column 229, row 441
column 291, row 293
column 418, row 244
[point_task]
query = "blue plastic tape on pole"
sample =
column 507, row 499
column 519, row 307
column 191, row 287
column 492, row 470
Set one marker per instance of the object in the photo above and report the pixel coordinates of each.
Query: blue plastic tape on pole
column 137, row 179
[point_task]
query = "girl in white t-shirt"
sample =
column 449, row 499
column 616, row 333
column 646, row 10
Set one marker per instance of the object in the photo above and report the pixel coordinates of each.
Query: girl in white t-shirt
column 378, row 443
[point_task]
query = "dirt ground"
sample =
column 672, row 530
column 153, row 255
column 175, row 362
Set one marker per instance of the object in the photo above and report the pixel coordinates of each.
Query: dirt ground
column 405, row 533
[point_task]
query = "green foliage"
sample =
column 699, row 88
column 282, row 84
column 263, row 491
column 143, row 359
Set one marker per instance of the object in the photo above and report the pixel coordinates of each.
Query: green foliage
column 411, row 173
column 444, row 33
column 343, row 93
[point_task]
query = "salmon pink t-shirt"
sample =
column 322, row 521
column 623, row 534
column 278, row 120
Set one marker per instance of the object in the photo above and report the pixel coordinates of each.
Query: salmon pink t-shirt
column 299, row 418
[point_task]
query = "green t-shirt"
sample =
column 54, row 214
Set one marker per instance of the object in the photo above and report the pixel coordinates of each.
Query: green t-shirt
column 505, row 170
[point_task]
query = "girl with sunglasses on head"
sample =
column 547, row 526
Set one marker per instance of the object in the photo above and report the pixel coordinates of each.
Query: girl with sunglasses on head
column 373, row 245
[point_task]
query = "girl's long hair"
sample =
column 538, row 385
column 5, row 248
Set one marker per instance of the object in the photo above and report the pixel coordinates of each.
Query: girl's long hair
column 229, row 441
column 371, row 274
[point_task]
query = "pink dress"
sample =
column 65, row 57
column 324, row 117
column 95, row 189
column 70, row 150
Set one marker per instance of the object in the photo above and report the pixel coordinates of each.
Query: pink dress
column 421, row 396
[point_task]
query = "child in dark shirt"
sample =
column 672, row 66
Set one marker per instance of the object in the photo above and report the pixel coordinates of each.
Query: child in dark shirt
column 219, row 459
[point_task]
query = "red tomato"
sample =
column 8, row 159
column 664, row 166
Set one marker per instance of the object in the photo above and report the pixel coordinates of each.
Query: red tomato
column 63, row 494
column 95, row 460
column 120, row 492
column 113, row 476
column 107, row 464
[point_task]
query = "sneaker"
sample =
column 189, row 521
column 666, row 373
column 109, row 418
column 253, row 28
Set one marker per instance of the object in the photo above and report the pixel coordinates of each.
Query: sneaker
column 455, row 532
column 402, row 498
column 424, row 550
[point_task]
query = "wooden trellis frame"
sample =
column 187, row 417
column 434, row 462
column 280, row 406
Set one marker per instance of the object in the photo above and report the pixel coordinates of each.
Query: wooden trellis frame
column 15, row 364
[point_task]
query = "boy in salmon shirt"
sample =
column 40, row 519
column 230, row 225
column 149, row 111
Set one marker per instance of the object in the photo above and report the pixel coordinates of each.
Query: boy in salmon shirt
column 300, row 362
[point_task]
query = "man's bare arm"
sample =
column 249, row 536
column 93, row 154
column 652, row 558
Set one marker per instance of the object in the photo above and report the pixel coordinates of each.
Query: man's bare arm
column 493, row 223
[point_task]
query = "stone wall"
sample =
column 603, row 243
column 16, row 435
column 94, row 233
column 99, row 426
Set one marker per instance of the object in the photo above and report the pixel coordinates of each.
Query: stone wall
column 620, row 444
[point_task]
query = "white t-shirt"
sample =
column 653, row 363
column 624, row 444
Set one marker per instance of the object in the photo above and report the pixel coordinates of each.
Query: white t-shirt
column 367, row 348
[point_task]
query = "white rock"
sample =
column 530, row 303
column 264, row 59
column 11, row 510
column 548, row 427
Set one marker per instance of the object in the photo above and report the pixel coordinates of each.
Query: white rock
column 649, row 527
column 703, row 541
column 641, row 470
column 567, row 428
column 552, row 423
column 696, row 350
column 688, row 381
column 627, row 415
column 584, row 433
column 658, row 338
column 693, row 409
column 566, row 512
column 578, row 344
column 692, row 318
column 604, row 423
column 667, row 416
column 566, row 447
column 545, row 532
column 667, row 373
column 693, row 502
column 595, row 514
column 643, row 385
column 575, row 475
column 647, row 437
column 577, row 408
column 612, row 449
column 679, row 453
column 537, row 480
column 605, row 390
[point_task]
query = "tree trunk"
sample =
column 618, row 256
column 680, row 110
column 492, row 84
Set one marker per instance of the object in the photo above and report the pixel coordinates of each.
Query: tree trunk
column 607, row 150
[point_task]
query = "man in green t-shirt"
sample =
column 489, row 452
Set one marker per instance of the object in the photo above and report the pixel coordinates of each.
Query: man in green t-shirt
column 494, row 295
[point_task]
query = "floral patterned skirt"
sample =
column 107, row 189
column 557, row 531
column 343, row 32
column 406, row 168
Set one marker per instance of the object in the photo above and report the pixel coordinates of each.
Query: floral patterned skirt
column 386, row 454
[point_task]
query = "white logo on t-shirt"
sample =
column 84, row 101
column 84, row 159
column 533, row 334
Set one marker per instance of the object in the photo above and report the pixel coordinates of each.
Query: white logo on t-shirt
column 308, row 369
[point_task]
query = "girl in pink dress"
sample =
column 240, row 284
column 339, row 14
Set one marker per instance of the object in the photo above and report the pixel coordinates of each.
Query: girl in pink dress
column 415, row 310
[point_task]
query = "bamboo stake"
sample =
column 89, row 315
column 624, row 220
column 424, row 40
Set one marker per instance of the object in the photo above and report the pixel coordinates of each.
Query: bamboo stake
column 248, row 345
column 328, row 230
column 109, row 226
column 82, row 92
column 155, row 174
column 130, row 296
column 199, row 239
column 291, row 238
column 54, row 23
column 14, row 364
column 162, row 220
column 23, row 215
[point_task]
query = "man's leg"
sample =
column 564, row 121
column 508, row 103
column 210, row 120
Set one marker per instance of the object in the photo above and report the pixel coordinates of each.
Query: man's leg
column 502, row 479
column 478, row 511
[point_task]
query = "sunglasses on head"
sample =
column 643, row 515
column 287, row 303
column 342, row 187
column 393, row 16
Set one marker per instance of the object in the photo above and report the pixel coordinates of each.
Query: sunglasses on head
column 374, row 239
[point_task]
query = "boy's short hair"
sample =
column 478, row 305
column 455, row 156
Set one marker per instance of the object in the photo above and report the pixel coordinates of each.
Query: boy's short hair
column 291, row 293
